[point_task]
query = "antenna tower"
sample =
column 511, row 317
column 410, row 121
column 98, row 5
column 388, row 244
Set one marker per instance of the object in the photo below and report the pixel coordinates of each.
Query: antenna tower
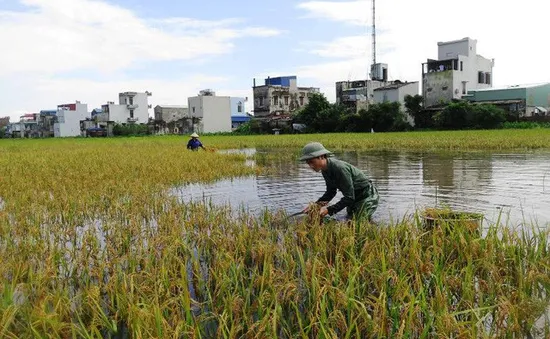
column 374, row 32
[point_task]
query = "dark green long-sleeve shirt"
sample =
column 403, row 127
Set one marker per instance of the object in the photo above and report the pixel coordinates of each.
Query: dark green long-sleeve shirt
column 351, row 181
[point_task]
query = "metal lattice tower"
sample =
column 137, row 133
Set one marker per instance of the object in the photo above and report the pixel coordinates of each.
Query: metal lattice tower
column 374, row 32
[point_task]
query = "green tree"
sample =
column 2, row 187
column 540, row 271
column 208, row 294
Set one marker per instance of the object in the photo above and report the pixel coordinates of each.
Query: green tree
column 328, row 119
column 350, row 122
column 309, row 113
column 321, row 116
column 414, row 106
column 486, row 116
column 130, row 129
column 383, row 117
column 456, row 115
column 464, row 115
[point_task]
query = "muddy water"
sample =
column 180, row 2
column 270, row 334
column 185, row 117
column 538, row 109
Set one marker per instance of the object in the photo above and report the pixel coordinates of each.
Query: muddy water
column 514, row 187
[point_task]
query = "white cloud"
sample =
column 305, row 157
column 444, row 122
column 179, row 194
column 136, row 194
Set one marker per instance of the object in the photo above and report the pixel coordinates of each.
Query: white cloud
column 65, row 35
column 408, row 32
column 53, row 37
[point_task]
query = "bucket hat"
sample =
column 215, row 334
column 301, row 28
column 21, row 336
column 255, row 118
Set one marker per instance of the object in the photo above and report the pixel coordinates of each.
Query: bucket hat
column 194, row 135
column 314, row 150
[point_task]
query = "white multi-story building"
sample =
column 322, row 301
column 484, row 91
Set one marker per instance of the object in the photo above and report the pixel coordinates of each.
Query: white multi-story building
column 458, row 70
column 132, row 107
column 68, row 119
column 212, row 113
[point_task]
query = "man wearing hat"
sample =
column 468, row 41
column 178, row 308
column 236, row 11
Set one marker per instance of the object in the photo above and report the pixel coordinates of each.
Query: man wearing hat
column 195, row 143
column 360, row 196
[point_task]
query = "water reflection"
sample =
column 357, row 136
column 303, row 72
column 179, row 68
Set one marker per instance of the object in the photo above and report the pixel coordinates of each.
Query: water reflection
column 496, row 184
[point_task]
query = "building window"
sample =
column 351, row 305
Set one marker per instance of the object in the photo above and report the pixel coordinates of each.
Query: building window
column 462, row 65
column 463, row 87
column 261, row 101
column 445, row 88
column 480, row 77
column 301, row 101
column 193, row 109
column 132, row 113
column 240, row 107
column 131, row 100
column 286, row 100
column 275, row 100
column 488, row 78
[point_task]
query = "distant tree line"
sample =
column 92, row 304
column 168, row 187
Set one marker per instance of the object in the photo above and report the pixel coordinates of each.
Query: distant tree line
column 131, row 130
column 321, row 116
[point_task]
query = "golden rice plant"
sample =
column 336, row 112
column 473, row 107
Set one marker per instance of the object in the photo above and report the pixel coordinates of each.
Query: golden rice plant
column 94, row 245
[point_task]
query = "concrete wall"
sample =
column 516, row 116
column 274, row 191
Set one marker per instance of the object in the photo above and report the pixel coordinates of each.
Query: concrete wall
column 386, row 95
column 451, row 49
column 68, row 124
column 261, row 101
column 235, row 103
column 215, row 112
column 118, row 113
column 170, row 113
column 438, row 87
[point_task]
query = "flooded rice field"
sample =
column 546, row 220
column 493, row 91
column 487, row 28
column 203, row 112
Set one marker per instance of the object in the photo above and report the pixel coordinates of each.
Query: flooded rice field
column 514, row 187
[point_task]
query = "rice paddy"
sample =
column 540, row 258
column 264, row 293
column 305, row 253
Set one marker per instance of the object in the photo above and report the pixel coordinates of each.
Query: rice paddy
column 92, row 245
column 481, row 140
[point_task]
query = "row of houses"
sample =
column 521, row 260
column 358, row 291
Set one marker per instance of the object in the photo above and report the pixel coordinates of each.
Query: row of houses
column 205, row 113
column 459, row 73
column 74, row 119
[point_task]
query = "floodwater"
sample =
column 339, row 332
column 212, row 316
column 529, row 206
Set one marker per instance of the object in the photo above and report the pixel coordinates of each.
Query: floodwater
column 511, row 188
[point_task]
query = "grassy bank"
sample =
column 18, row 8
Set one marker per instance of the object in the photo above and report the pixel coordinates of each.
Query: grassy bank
column 92, row 245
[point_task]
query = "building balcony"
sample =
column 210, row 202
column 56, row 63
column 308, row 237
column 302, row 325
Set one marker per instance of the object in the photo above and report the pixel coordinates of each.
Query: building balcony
column 132, row 119
column 132, row 106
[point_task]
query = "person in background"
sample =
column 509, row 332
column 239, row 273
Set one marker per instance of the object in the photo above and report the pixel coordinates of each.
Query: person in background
column 194, row 143
column 360, row 195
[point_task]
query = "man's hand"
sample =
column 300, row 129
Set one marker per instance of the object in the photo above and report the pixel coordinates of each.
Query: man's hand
column 323, row 212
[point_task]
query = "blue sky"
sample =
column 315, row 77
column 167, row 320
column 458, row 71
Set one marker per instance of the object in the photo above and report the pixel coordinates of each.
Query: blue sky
column 58, row 51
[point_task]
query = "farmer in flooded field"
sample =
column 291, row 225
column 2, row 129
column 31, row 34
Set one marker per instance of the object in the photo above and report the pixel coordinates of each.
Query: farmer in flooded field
column 194, row 143
column 360, row 196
